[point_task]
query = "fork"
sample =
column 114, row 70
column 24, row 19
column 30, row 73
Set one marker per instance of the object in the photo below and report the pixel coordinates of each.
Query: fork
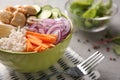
column 92, row 75
column 83, row 68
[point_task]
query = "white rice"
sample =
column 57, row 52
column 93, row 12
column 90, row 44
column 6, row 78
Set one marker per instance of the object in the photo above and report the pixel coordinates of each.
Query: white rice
column 15, row 42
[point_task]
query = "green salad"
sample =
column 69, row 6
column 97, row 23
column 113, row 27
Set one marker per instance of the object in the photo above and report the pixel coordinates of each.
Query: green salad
column 87, row 10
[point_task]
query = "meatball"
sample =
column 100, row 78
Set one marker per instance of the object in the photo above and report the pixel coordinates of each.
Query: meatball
column 11, row 9
column 30, row 10
column 18, row 19
column 27, row 10
column 5, row 16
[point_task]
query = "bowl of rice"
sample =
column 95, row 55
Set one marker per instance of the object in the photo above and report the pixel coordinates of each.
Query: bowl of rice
column 38, row 40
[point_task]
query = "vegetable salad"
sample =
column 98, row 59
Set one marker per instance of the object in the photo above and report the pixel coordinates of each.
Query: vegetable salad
column 88, row 12
column 40, row 32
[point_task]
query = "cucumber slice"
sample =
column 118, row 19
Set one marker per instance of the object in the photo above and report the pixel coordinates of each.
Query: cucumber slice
column 56, row 13
column 46, row 12
column 47, row 7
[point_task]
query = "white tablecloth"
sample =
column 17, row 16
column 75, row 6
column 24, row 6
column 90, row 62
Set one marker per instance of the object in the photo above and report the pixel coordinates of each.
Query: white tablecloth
column 69, row 59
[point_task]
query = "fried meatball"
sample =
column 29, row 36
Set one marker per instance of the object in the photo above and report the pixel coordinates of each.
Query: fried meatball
column 19, row 19
column 5, row 16
column 27, row 10
column 30, row 10
column 11, row 9
column 22, row 10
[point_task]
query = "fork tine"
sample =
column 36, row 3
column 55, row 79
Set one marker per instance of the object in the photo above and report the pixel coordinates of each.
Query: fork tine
column 94, row 63
column 97, row 62
column 89, row 58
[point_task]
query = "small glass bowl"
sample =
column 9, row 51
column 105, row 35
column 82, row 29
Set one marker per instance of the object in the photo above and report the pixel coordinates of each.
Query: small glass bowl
column 93, row 24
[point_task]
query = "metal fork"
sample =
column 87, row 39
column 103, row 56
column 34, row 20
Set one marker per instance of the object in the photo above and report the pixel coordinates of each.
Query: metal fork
column 83, row 68
column 93, row 75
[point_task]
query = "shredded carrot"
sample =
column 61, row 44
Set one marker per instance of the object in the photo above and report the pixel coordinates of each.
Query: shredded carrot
column 39, row 42
column 34, row 40
column 44, row 47
column 45, row 37
column 37, row 48
column 48, row 38
column 29, row 46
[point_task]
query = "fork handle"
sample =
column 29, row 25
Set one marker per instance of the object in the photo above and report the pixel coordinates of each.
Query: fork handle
column 74, row 71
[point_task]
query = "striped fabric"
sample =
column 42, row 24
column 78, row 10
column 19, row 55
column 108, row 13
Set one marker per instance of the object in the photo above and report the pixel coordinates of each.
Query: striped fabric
column 69, row 59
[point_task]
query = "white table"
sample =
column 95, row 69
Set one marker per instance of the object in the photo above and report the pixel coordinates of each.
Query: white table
column 109, row 70
column 82, row 41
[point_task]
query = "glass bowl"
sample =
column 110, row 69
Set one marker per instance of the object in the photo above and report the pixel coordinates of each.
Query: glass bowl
column 90, row 24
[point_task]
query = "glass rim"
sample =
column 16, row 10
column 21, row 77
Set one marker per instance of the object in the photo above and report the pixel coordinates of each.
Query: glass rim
column 114, row 5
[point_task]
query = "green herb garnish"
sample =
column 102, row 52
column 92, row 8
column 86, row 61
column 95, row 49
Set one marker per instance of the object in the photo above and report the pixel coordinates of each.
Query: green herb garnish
column 117, row 49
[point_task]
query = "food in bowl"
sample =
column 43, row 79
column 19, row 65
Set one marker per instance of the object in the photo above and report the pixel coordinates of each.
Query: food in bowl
column 5, row 29
column 90, row 15
column 39, row 42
